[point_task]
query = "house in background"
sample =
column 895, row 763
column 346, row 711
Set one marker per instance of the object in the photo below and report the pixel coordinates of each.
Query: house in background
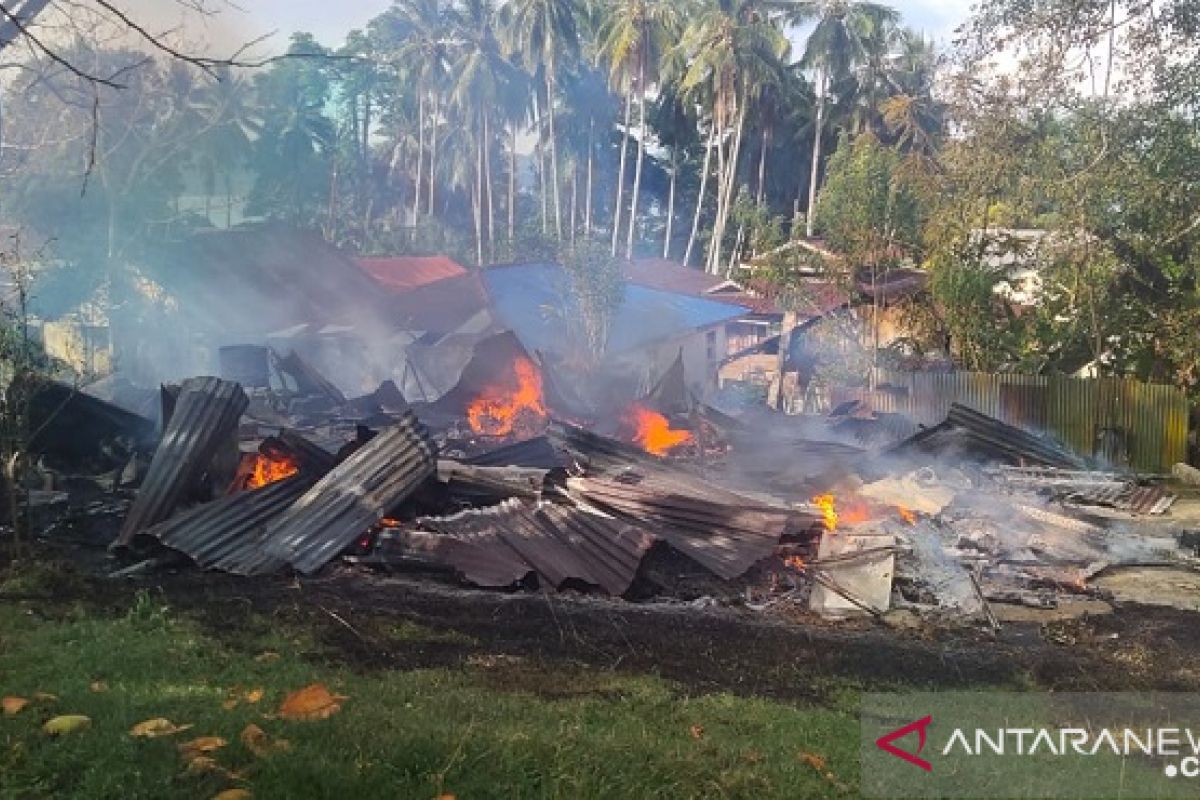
column 761, row 316
column 647, row 332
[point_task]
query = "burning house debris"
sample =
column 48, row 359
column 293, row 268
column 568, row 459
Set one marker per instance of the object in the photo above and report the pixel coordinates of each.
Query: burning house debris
column 505, row 482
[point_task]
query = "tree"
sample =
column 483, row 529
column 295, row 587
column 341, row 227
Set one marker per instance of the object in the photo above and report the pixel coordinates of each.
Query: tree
column 293, row 158
column 544, row 33
column 634, row 39
column 869, row 214
column 836, row 45
column 232, row 121
column 479, row 73
column 423, row 55
column 732, row 51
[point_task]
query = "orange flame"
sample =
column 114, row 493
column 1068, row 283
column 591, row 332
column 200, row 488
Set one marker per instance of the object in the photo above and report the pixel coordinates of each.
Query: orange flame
column 825, row 503
column 652, row 431
column 269, row 470
column 795, row 562
column 907, row 515
column 500, row 409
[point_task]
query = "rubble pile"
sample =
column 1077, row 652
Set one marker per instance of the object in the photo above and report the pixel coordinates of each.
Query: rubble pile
column 507, row 482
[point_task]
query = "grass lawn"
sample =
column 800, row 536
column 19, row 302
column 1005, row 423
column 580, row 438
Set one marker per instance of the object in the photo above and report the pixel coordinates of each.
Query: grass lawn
column 500, row 727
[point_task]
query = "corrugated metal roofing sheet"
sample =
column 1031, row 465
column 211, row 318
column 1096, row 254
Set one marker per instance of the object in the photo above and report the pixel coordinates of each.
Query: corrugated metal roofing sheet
column 227, row 534
column 500, row 545
column 354, row 496
column 521, row 294
column 968, row 433
column 206, row 415
column 726, row 538
column 537, row 453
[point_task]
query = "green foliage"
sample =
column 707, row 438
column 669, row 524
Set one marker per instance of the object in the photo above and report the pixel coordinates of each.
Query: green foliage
column 867, row 208
column 597, row 287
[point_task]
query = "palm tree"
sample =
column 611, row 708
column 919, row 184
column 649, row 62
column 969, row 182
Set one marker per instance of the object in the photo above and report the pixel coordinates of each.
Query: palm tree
column 544, row 33
column 424, row 55
column 675, row 126
column 590, row 114
column 231, row 122
column 633, row 41
column 835, row 46
column 734, row 50
column 480, row 71
column 911, row 113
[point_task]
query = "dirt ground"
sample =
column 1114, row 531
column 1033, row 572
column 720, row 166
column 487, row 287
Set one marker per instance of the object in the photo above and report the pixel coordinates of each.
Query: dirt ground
column 349, row 612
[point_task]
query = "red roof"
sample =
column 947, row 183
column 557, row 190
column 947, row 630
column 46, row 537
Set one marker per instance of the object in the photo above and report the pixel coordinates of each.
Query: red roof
column 405, row 273
column 441, row 306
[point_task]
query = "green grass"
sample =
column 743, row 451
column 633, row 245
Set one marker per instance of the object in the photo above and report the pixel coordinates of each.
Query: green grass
column 497, row 728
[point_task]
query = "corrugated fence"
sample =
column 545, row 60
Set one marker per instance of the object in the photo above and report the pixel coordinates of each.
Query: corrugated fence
column 1142, row 426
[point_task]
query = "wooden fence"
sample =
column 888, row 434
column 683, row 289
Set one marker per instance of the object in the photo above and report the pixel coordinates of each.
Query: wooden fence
column 1124, row 422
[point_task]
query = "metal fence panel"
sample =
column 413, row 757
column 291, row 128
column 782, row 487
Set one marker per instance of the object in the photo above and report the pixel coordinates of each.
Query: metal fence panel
column 1125, row 422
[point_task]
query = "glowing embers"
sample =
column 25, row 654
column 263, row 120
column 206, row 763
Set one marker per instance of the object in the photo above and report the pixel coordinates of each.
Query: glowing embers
column 653, row 432
column 515, row 407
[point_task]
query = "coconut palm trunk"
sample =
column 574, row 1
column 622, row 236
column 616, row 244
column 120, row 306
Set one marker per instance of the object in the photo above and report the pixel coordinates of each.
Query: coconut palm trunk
column 416, row 212
column 491, row 198
column 811, row 221
column 727, row 192
column 637, row 172
column 553, row 150
column 587, row 213
column 708, row 148
column 616, row 228
column 574, row 199
column 762, row 166
column 478, row 199
column 671, row 203
column 541, row 161
column 512, row 185
column 433, row 145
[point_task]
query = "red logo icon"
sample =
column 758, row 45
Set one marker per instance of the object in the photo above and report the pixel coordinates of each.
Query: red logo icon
column 884, row 743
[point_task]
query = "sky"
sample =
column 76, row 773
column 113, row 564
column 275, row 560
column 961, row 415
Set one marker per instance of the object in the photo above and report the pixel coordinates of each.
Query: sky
column 331, row 20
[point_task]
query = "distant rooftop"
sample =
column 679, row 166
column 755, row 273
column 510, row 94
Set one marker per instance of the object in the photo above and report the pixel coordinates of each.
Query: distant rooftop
column 534, row 299
column 403, row 273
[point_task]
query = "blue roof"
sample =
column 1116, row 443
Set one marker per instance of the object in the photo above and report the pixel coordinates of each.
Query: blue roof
column 535, row 300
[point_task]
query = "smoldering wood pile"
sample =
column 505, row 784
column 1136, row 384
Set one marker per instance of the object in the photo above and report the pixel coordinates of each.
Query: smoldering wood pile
column 768, row 512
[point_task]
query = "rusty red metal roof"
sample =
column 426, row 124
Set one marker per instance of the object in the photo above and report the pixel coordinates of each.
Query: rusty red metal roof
column 442, row 306
column 501, row 545
column 405, row 273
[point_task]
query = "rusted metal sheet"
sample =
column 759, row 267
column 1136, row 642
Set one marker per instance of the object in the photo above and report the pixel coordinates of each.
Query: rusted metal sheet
column 501, row 545
column 966, row 433
column 1119, row 421
column 1090, row 488
column 354, row 496
column 206, row 415
column 227, row 534
column 1136, row 499
column 537, row 453
column 727, row 538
